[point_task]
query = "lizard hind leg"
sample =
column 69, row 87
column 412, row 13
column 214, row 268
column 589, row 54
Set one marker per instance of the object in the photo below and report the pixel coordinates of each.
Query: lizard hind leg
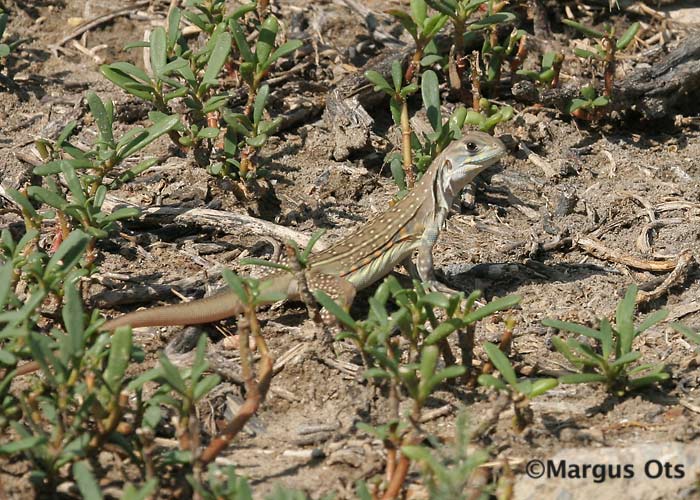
column 337, row 288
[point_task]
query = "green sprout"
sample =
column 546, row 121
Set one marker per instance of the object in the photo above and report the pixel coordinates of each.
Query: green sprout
column 606, row 48
column 519, row 391
column 613, row 365
column 398, row 104
column 86, row 173
column 422, row 28
column 551, row 66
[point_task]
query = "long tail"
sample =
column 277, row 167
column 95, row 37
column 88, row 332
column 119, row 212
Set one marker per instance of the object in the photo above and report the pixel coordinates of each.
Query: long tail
column 222, row 305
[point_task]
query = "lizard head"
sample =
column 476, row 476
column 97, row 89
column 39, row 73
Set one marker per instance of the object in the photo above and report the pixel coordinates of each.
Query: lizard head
column 463, row 160
column 466, row 158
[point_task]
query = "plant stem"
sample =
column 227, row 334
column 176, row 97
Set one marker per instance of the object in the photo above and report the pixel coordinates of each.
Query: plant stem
column 610, row 47
column 406, row 145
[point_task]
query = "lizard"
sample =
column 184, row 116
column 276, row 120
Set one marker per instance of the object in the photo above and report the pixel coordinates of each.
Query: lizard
column 364, row 257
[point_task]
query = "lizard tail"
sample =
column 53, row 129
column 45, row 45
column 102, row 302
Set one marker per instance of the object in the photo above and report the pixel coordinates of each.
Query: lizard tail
column 217, row 307
column 222, row 305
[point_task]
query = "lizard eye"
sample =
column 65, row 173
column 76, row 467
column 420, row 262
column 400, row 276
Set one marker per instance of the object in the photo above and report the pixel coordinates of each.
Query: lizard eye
column 472, row 147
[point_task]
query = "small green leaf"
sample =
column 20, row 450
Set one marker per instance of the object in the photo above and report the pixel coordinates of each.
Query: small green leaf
column 583, row 29
column 433, row 25
column 87, row 484
column 72, row 314
column 409, row 89
column 174, row 27
column 147, row 490
column 312, row 242
column 376, row 373
column 582, row 378
column 489, row 380
column 379, row 81
column 417, row 453
column 172, row 375
column 585, row 54
column 21, row 445
column 68, row 253
column 436, row 299
column 488, row 21
column 121, row 214
column 102, row 117
column 173, row 66
column 624, row 319
column 48, row 197
column 208, row 133
column 236, row 284
column 241, row 43
column 118, row 360
column 577, row 104
column 205, row 386
column 258, row 141
column 588, row 92
column 500, row 361
column 405, row 20
column 158, row 50
column 333, row 308
column 269, row 127
column 626, row 359
column 6, row 271
column 243, row 10
column 431, row 59
column 266, row 40
column 419, row 11
column 606, row 337
column 442, row 331
column 651, row 320
column 219, row 54
column 147, row 136
column 428, row 361
column 628, row 36
column 601, row 101
column 548, row 59
column 284, row 49
column 542, row 385
column 430, row 90
column 396, row 75
column 127, row 82
column 260, row 103
column 572, row 327
column 492, row 307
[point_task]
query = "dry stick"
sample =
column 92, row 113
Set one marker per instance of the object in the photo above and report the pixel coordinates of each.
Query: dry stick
column 229, row 221
column 597, row 249
column 538, row 161
column 685, row 259
column 476, row 81
column 101, row 20
column 406, row 145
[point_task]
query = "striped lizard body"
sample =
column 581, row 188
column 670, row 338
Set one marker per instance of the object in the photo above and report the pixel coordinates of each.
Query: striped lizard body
column 367, row 255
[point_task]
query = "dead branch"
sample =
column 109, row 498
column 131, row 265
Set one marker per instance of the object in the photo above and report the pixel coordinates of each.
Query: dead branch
column 600, row 251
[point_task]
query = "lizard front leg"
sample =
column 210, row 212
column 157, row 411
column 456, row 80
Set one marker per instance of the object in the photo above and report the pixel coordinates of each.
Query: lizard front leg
column 337, row 288
column 424, row 263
